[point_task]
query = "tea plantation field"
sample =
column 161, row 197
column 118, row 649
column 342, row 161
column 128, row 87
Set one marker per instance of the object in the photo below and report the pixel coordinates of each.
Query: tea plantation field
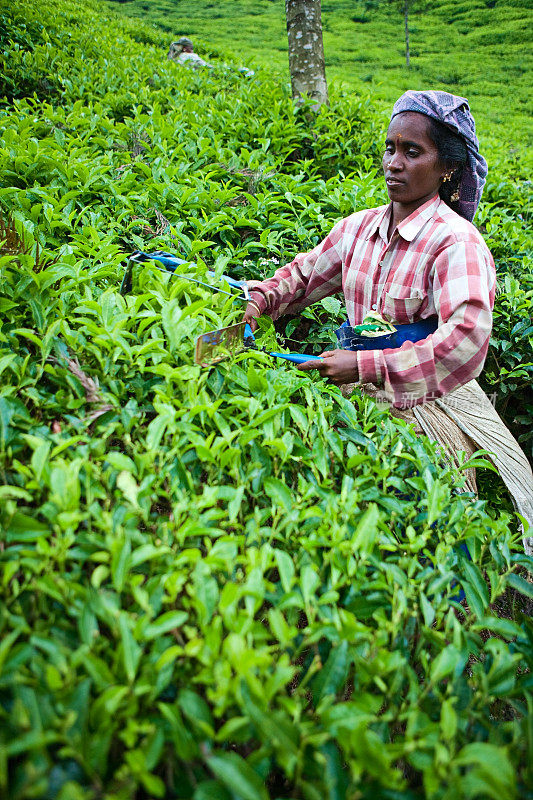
column 481, row 49
column 228, row 584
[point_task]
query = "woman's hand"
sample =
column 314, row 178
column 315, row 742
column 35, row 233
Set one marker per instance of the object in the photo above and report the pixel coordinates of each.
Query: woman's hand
column 338, row 366
column 251, row 315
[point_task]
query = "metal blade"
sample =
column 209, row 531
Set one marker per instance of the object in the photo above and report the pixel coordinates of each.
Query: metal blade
column 214, row 346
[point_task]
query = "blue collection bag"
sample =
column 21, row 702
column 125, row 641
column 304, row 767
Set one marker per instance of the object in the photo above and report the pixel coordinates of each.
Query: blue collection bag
column 350, row 339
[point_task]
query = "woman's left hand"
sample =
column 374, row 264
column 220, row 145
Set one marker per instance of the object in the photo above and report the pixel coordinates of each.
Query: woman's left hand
column 338, row 366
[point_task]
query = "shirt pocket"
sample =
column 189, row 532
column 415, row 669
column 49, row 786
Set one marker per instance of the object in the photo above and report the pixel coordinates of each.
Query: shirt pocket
column 402, row 305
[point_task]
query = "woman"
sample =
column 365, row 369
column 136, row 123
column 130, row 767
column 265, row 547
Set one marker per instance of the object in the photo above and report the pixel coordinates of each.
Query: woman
column 417, row 258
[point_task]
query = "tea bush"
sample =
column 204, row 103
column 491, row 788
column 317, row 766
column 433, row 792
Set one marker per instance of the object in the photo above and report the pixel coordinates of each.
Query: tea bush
column 365, row 50
column 229, row 583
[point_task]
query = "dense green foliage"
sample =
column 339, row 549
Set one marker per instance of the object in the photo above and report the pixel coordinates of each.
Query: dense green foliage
column 480, row 49
column 364, row 48
column 234, row 583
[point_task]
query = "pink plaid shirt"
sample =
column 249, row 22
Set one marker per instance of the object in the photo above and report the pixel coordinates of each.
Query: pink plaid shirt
column 435, row 263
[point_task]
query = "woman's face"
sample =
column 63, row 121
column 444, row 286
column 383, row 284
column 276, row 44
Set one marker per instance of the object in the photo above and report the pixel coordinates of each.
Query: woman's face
column 413, row 172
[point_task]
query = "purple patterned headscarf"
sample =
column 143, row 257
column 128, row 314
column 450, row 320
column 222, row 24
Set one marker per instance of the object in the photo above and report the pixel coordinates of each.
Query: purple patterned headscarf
column 454, row 112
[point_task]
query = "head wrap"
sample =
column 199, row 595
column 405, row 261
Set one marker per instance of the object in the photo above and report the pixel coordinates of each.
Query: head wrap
column 184, row 41
column 454, row 112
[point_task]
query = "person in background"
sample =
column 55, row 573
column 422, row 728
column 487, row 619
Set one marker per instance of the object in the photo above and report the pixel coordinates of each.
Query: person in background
column 416, row 261
column 182, row 51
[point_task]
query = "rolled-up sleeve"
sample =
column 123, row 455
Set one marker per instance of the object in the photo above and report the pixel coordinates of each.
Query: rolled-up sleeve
column 463, row 283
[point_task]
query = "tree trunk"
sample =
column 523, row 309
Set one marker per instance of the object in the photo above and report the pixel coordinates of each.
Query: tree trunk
column 306, row 50
column 406, row 17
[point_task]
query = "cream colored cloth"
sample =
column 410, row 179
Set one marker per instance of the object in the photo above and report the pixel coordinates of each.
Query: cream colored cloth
column 466, row 420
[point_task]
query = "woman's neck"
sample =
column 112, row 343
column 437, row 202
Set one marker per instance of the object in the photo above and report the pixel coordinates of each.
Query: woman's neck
column 401, row 211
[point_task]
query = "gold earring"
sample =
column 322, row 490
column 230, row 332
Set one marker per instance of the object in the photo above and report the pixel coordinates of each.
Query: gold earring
column 455, row 196
column 447, row 177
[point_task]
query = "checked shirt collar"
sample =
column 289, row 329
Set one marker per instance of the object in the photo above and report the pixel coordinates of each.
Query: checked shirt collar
column 409, row 227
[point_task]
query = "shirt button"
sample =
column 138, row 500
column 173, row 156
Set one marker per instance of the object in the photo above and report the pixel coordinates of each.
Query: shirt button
column 374, row 307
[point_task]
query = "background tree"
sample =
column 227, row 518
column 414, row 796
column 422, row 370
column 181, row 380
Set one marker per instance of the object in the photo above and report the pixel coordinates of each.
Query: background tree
column 405, row 4
column 404, row 7
column 306, row 50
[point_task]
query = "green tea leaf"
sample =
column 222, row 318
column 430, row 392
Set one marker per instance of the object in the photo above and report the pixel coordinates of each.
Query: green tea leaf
column 333, row 674
column 165, row 623
column 238, row 776
column 286, row 569
column 279, row 493
column 449, row 661
column 520, row 585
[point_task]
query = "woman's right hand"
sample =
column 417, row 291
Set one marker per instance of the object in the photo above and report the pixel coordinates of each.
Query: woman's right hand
column 251, row 315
